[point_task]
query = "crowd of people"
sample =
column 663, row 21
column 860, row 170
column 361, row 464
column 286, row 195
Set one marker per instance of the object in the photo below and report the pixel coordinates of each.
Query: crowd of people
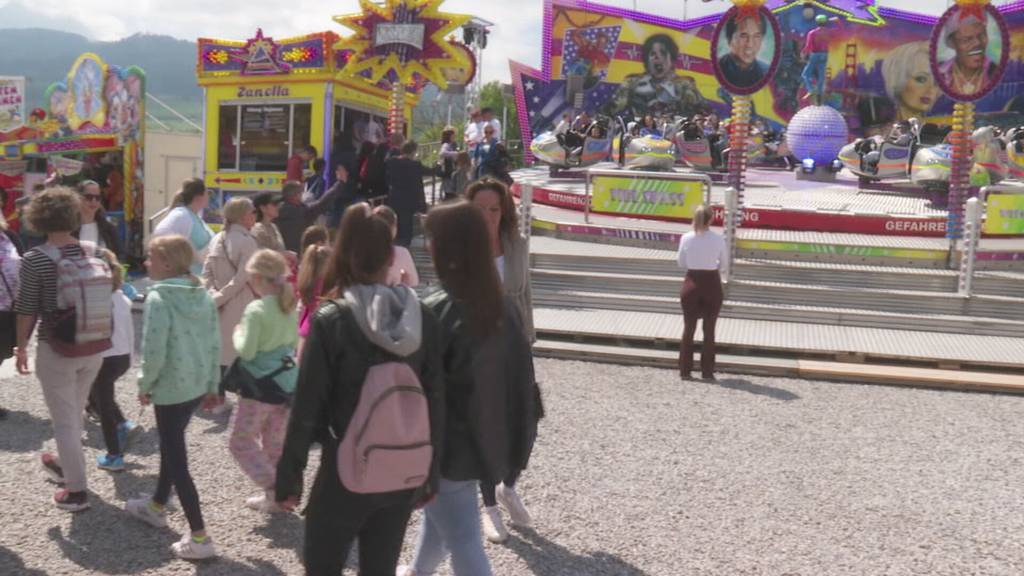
column 320, row 343
column 321, row 338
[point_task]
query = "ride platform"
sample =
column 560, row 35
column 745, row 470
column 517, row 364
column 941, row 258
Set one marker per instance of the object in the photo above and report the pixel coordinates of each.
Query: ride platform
column 778, row 200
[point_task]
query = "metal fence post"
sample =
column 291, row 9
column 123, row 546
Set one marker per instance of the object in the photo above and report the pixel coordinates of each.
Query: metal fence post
column 729, row 221
column 972, row 234
column 526, row 211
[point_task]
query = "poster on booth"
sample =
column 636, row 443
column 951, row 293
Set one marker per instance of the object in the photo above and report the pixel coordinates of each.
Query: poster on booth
column 646, row 196
column 1005, row 214
column 12, row 103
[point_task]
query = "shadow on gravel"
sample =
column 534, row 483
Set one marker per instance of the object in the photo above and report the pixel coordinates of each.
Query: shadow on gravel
column 128, row 485
column 546, row 557
column 11, row 563
column 23, row 432
column 225, row 567
column 285, row 531
column 99, row 537
column 144, row 442
column 757, row 389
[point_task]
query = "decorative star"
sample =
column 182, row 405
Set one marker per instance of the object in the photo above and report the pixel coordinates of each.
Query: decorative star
column 970, row 8
column 402, row 62
column 536, row 100
column 528, row 85
column 259, row 56
column 747, row 8
column 632, row 52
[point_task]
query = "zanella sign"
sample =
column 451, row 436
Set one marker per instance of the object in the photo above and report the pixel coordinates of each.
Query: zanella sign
column 409, row 34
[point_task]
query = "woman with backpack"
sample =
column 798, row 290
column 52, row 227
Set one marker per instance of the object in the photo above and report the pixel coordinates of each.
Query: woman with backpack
column 186, row 221
column 66, row 368
column 225, row 276
column 265, row 341
column 10, row 261
column 490, row 415
column 512, row 260
column 372, row 341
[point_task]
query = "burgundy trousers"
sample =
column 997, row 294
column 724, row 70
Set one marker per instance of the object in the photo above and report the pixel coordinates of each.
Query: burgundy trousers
column 701, row 299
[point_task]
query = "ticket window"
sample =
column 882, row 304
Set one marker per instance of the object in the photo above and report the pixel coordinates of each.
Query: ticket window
column 261, row 137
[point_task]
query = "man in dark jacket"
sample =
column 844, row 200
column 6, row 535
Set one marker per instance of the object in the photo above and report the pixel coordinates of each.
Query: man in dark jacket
column 404, row 175
column 295, row 216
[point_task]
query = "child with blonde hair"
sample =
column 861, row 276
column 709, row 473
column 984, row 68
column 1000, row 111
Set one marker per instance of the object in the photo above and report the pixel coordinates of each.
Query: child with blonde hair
column 116, row 363
column 180, row 371
column 264, row 374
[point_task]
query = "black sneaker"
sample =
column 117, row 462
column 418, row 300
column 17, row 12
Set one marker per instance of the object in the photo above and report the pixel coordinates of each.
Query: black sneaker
column 71, row 501
column 52, row 468
column 3, row 413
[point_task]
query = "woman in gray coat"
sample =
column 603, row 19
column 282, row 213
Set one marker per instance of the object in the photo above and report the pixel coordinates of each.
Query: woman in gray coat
column 512, row 258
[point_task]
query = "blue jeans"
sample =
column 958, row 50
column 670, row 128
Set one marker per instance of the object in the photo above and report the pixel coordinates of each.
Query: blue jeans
column 452, row 523
column 814, row 73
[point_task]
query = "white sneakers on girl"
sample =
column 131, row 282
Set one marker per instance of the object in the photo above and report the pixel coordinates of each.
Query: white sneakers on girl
column 263, row 503
column 141, row 509
column 517, row 512
column 494, row 528
column 188, row 549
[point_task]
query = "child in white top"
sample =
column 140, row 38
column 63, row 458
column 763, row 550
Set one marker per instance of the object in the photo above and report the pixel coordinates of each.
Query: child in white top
column 116, row 362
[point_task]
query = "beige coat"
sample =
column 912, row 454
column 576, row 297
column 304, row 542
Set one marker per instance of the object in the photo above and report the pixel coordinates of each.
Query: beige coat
column 268, row 236
column 225, row 277
column 517, row 279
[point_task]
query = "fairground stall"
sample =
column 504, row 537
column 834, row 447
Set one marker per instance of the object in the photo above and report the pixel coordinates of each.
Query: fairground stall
column 266, row 98
column 90, row 126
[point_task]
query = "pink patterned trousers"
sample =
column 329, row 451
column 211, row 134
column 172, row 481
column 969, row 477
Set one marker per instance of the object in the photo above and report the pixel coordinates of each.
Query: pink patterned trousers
column 257, row 438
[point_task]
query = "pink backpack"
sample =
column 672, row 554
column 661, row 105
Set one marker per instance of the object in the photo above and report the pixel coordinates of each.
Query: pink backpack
column 387, row 446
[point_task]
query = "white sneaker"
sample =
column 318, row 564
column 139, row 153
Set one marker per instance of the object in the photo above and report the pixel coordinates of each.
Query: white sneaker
column 494, row 528
column 141, row 509
column 517, row 513
column 405, row 571
column 223, row 408
column 189, row 549
column 263, row 503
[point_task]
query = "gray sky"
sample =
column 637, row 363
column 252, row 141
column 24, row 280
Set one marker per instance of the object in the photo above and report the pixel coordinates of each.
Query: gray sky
column 517, row 34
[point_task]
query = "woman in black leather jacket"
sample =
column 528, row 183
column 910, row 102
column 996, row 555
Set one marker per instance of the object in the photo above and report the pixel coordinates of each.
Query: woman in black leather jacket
column 345, row 335
column 490, row 391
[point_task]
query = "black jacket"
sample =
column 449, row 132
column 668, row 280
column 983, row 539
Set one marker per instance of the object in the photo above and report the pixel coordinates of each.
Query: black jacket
column 492, row 401
column 293, row 219
column 334, row 364
column 405, row 185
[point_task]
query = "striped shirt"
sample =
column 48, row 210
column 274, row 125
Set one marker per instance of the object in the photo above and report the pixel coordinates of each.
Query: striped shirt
column 37, row 291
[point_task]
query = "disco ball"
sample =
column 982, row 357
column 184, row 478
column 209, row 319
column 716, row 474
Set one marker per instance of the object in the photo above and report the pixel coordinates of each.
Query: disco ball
column 817, row 132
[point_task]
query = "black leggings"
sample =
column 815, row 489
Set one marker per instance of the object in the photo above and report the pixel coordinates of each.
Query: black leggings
column 171, row 422
column 102, row 399
column 336, row 517
column 487, row 490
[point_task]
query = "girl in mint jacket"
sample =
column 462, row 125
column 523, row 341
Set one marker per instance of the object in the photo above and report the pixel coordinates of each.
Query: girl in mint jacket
column 265, row 340
column 180, row 371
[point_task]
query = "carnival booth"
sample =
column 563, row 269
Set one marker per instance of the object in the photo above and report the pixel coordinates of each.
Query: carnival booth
column 265, row 99
column 90, row 126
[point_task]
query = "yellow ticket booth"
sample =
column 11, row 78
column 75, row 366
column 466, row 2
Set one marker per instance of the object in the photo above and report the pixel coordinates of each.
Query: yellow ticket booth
column 264, row 99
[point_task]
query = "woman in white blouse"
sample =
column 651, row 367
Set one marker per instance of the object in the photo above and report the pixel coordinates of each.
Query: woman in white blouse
column 701, row 253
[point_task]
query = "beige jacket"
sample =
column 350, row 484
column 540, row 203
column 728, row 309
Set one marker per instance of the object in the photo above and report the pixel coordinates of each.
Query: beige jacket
column 225, row 277
column 517, row 279
column 268, row 236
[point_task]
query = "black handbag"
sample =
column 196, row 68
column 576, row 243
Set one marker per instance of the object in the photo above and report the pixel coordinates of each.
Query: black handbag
column 263, row 389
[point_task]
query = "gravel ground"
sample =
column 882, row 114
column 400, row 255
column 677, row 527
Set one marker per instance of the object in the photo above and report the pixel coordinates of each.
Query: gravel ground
column 634, row 474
